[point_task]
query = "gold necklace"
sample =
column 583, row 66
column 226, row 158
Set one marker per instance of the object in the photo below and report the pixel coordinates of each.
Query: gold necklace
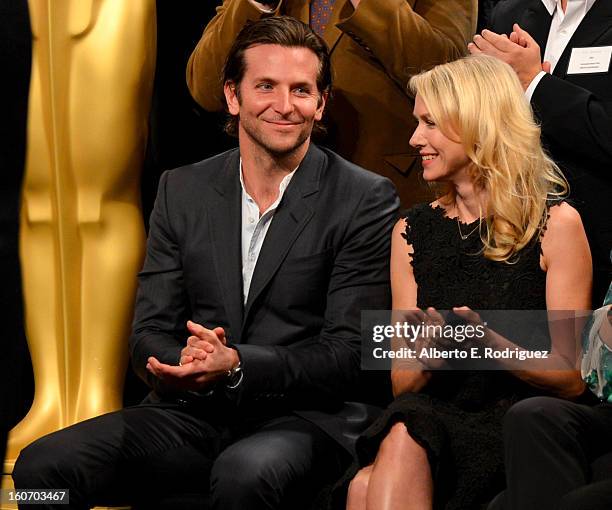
column 465, row 236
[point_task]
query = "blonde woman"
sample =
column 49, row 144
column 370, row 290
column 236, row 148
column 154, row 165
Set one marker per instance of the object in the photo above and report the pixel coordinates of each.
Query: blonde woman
column 498, row 237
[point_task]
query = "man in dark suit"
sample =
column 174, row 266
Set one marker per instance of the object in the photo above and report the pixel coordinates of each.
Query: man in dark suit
column 561, row 52
column 247, row 323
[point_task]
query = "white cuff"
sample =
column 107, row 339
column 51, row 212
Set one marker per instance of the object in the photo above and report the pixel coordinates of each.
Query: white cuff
column 534, row 83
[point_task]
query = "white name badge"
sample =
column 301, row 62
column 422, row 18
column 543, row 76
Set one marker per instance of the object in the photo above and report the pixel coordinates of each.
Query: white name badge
column 590, row 60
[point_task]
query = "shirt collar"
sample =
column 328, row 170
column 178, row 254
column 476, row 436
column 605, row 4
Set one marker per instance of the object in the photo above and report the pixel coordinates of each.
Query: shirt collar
column 281, row 187
column 551, row 5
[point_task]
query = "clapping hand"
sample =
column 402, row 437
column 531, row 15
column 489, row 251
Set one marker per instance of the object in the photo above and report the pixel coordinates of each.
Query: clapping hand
column 204, row 360
column 428, row 342
column 520, row 51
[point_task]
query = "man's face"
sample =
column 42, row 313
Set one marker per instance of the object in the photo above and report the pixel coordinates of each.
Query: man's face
column 278, row 102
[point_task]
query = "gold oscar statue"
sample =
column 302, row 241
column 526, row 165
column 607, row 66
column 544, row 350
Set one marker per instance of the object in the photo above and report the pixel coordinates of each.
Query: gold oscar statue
column 82, row 234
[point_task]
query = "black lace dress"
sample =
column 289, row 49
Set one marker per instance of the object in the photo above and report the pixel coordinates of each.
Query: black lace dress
column 457, row 417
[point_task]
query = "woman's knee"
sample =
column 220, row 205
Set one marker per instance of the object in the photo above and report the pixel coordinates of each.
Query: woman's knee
column 398, row 443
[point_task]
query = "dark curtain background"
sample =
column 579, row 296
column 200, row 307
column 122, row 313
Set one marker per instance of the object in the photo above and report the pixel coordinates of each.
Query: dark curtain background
column 16, row 384
column 180, row 133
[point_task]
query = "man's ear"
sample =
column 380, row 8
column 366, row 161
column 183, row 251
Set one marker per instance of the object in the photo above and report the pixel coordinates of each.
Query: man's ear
column 321, row 106
column 231, row 97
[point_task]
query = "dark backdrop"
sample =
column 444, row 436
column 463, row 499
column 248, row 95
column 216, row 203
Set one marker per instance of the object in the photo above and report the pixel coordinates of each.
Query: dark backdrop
column 16, row 385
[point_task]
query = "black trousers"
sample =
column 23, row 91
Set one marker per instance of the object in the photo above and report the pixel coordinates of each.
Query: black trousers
column 549, row 446
column 143, row 453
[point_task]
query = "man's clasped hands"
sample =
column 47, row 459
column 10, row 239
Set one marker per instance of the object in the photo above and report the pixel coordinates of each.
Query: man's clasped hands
column 204, row 360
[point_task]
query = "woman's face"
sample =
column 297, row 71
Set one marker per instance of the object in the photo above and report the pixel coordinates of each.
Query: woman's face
column 443, row 159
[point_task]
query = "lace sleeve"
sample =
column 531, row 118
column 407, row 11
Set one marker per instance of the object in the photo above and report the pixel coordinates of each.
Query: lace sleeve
column 414, row 219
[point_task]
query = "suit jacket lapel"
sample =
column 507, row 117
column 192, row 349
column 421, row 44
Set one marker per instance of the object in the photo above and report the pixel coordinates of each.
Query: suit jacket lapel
column 289, row 220
column 597, row 21
column 536, row 21
column 224, row 214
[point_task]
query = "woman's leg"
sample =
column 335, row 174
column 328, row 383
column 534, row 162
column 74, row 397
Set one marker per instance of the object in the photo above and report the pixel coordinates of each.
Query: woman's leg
column 400, row 478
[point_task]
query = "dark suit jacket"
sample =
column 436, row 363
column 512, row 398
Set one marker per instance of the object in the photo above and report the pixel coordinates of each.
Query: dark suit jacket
column 324, row 259
column 576, row 115
column 374, row 52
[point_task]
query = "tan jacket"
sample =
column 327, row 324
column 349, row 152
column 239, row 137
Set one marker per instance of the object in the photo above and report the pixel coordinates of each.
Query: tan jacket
column 374, row 52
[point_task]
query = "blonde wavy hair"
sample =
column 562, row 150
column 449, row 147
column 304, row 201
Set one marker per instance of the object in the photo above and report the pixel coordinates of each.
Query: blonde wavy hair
column 479, row 102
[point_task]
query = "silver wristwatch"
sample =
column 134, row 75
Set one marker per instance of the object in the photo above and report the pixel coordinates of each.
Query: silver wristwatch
column 234, row 377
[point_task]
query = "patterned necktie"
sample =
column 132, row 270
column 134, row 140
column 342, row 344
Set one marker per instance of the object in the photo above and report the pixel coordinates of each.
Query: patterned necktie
column 320, row 12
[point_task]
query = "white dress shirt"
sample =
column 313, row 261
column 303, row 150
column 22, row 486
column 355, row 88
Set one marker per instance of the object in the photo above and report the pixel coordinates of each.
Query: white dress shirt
column 255, row 228
column 562, row 28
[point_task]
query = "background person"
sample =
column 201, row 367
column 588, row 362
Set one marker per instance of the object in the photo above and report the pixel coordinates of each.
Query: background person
column 560, row 439
column 560, row 51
